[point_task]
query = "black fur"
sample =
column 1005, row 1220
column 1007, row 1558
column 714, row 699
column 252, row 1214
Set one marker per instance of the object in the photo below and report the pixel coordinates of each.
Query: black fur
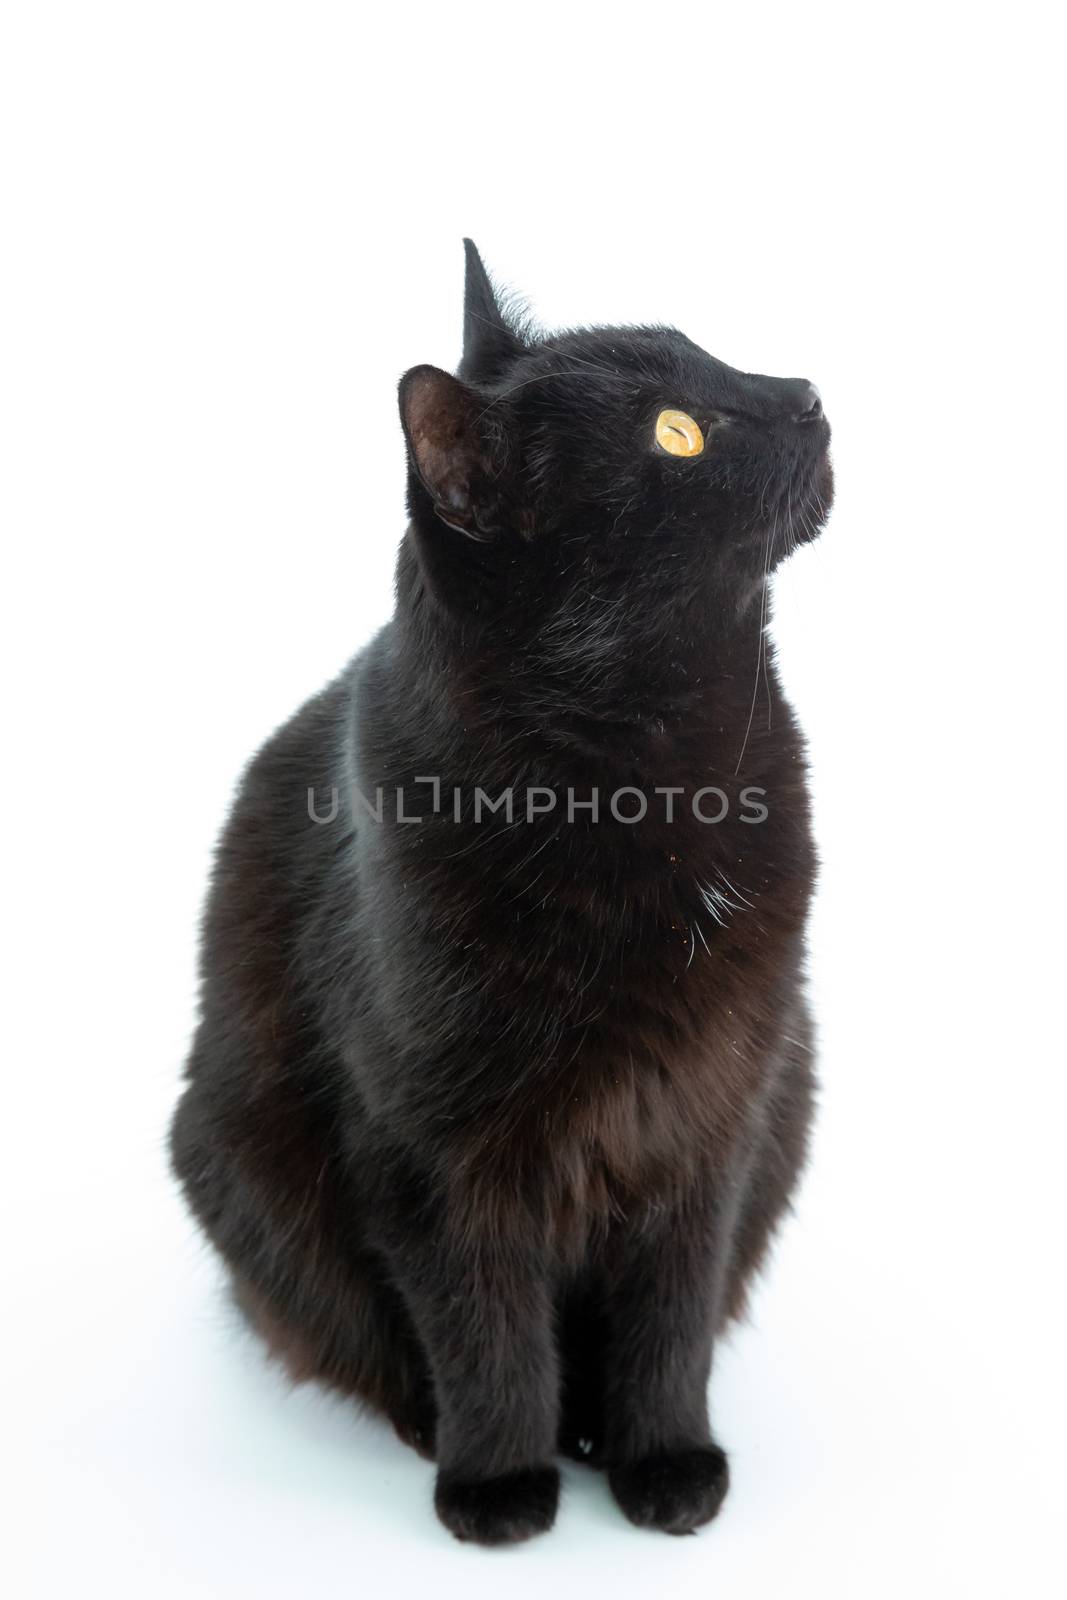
column 492, row 1120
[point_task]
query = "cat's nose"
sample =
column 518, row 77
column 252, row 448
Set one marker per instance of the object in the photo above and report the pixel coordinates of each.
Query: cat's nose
column 808, row 404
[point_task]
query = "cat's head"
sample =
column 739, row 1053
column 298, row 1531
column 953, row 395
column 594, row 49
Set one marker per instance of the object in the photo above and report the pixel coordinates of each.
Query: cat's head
column 609, row 461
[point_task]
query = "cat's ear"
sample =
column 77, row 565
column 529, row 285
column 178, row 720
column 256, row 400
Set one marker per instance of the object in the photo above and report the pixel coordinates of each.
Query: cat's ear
column 457, row 449
column 490, row 343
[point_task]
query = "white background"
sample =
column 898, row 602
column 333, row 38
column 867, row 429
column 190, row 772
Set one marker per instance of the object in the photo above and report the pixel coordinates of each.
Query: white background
column 227, row 230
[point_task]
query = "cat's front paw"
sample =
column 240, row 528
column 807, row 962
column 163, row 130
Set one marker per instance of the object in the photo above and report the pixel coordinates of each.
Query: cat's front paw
column 678, row 1492
column 500, row 1510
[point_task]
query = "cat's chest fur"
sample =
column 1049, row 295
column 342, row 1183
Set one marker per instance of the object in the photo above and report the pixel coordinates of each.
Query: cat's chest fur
column 594, row 1005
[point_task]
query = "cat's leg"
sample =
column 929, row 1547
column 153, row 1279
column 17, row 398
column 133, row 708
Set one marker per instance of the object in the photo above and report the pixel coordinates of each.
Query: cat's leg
column 664, row 1467
column 483, row 1309
column 583, row 1333
column 777, row 1162
column 360, row 1344
column 273, row 1201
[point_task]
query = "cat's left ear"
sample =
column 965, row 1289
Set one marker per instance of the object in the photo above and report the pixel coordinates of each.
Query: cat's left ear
column 490, row 343
column 457, row 449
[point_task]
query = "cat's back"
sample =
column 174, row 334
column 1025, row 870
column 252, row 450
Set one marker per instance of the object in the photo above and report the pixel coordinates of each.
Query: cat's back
column 276, row 871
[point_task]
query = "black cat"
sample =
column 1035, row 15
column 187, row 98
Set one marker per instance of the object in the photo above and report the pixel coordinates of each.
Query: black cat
column 491, row 1112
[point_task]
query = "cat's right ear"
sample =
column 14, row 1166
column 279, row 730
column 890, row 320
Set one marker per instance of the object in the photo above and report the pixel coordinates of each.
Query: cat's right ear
column 490, row 343
column 457, row 449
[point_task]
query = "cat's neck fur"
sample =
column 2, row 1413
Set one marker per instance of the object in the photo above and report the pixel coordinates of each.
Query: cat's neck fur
column 647, row 693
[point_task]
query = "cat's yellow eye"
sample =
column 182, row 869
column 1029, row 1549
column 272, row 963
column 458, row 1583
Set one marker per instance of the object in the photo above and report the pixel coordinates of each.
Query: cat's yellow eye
column 678, row 434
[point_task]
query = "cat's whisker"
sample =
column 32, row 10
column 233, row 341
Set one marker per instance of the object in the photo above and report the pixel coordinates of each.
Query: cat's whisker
column 772, row 534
